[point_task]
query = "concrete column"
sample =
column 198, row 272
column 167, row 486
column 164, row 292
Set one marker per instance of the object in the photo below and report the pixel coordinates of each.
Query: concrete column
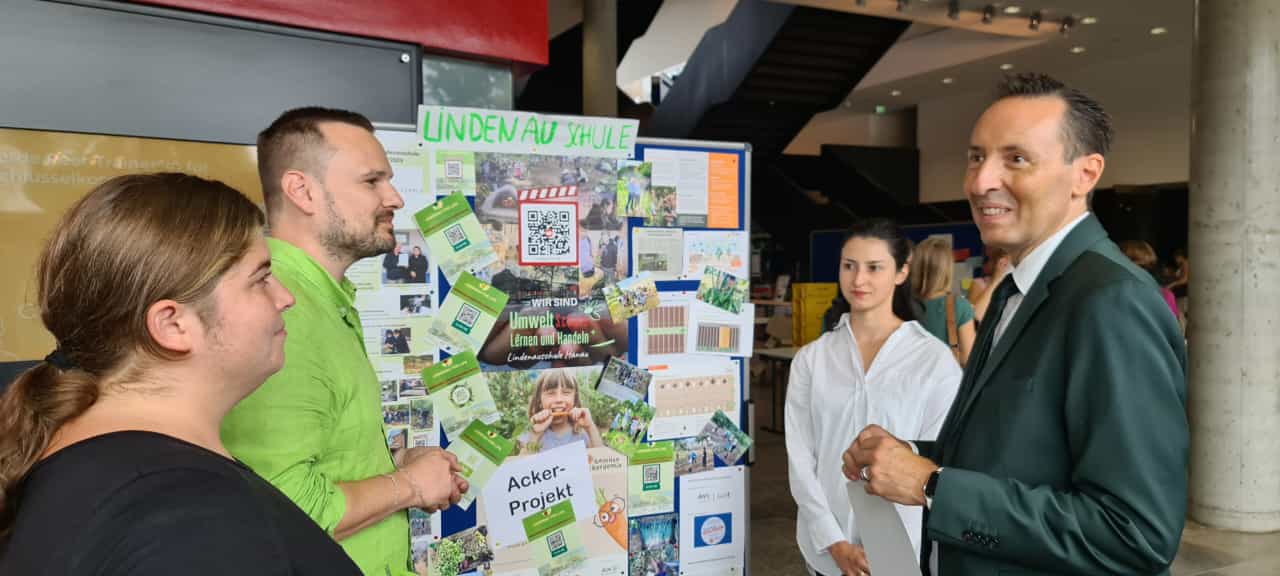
column 1234, row 251
column 600, row 57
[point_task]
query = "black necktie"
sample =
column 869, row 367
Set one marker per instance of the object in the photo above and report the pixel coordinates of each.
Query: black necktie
column 982, row 349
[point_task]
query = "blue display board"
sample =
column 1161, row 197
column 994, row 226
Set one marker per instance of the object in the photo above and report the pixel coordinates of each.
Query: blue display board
column 455, row 520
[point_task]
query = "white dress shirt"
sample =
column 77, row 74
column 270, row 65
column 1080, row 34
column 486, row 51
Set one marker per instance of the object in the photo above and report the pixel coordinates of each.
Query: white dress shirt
column 1025, row 273
column 908, row 390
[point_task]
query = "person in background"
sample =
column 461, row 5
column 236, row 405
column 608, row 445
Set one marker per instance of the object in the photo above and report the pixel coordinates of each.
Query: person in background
column 159, row 293
column 315, row 429
column 392, row 271
column 877, row 366
column 1144, row 256
column 1181, row 276
column 946, row 314
column 994, row 267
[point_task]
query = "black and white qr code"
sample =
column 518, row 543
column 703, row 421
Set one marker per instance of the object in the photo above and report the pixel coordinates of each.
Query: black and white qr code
column 468, row 315
column 453, row 169
column 549, row 234
column 651, row 473
column 555, row 541
column 455, row 235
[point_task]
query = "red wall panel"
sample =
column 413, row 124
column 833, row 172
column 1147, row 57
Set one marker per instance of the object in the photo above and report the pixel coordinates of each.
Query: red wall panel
column 509, row 30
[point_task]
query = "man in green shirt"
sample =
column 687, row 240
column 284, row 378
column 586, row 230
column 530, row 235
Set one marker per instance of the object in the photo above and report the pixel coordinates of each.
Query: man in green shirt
column 314, row 430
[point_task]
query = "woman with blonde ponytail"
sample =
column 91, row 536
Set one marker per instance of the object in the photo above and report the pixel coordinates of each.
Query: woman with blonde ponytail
column 158, row 290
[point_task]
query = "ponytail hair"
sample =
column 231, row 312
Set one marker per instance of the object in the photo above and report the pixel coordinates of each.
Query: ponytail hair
column 130, row 242
column 905, row 306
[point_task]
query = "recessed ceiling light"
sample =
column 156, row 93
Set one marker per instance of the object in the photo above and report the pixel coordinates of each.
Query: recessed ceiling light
column 880, row 109
column 948, row 80
column 1077, row 49
column 1158, row 30
column 1012, row 9
column 848, row 104
column 896, row 93
column 1089, row 20
column 1006, row 66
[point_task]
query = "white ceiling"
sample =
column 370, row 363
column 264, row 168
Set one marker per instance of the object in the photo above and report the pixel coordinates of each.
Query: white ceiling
column 936, row 47
column 971, row 57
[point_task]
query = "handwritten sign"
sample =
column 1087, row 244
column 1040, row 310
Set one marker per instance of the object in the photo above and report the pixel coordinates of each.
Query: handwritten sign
column 482, row 130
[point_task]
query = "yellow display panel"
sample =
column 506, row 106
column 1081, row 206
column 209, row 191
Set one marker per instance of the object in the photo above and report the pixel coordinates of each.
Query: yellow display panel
column 43, row 173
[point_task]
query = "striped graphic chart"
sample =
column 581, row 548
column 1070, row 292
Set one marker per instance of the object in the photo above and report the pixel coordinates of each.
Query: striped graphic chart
column 667, row 330
column 721, row 338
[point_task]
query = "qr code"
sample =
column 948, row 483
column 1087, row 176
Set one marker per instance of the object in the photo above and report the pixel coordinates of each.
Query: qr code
column 467, row 316
column 555, row 541
column 453, row 169
column 455, row 235
column 548, row 232
column 650, row 473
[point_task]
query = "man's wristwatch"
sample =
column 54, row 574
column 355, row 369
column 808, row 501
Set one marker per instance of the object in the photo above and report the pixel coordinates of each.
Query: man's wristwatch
column 930, row 487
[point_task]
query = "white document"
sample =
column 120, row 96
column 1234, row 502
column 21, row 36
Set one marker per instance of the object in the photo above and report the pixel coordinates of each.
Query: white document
column 525, row 486
column 888, row 547
column 685, row 395
column 658, row 251
column 712, row 522
column 691, row 191
column 716, row 331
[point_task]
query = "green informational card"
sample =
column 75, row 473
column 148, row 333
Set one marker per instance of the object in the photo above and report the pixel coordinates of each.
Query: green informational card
column 651, row 479
column 480, row 450
column 556, row 540
column 454, row 236
column 468, row 313
column 459, row 393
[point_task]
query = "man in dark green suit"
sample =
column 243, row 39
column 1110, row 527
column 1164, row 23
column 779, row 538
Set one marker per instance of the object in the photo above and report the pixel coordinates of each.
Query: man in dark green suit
column 1065, row 451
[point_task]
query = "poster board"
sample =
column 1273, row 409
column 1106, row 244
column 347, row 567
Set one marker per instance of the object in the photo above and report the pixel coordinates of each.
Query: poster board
column 505, row 164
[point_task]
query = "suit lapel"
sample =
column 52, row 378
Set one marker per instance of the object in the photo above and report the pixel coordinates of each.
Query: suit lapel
column 1085, row 235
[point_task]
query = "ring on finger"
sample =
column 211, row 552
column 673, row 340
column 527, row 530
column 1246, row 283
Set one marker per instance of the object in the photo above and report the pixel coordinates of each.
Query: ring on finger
column 866, row 473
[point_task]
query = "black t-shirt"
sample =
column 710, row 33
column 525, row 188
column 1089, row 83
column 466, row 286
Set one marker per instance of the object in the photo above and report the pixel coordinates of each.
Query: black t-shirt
column 143, row 504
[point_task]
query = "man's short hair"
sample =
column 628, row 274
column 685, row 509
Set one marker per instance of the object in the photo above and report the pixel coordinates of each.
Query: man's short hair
column 294, row 142
column 1086, row 126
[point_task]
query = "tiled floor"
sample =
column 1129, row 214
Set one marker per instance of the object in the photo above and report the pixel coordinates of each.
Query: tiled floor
column 1204, row 552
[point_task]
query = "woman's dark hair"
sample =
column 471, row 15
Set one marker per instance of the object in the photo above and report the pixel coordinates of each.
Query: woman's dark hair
column 904, row 306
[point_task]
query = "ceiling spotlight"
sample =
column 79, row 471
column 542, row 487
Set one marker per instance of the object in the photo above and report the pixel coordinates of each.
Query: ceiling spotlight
column 1067, row 24
column 1158, row 30
column 948, row 80
column 1077, row 49
column 1034, row 21
column 861, row 3
column 953, row 9
column 902, row 5
column 848, row 104
column 896, row 93
column 988, row 14
column 1006, row 66
column 1089, row 20
column 1012, row 9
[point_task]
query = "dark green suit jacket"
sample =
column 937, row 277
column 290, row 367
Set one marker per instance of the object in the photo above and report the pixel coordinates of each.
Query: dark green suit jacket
column 1067, row 454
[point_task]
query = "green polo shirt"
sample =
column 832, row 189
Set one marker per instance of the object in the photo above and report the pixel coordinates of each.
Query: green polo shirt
column 318, row 421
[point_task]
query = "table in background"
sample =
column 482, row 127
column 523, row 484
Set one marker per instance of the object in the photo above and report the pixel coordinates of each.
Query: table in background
column 775, row 358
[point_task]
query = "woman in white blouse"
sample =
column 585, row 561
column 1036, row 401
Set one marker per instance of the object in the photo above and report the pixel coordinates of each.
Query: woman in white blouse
column 877, row 366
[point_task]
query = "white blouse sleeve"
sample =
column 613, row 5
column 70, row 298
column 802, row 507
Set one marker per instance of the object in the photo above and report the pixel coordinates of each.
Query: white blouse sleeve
column 802, row 460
